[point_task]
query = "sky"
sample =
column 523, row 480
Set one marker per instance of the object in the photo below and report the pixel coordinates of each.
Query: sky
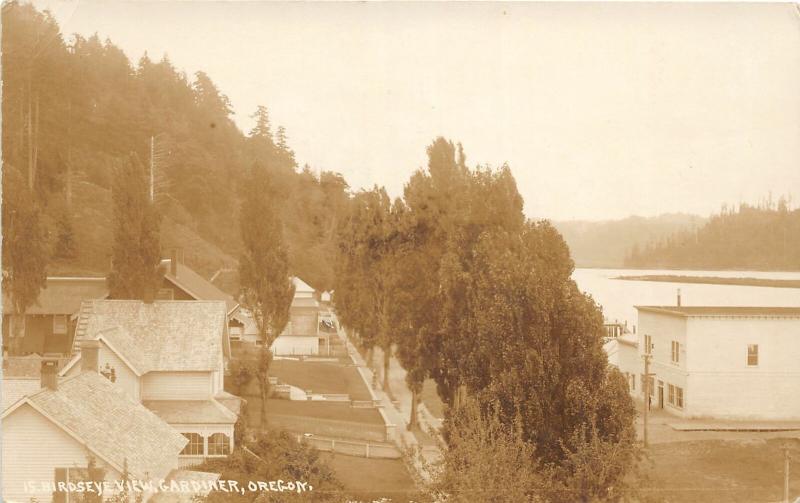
column 600, row 110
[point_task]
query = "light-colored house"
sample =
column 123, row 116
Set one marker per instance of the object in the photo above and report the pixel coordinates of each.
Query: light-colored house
column 623, row 352
column 723, row 362
column 170, row 356
column 302, row 290
column 302, row 335
column 48, row 325
column 53, row 428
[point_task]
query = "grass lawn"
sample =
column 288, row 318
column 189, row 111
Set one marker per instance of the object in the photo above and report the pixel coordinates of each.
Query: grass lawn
column 372, row 479
column 721, row 471
column 321, row 377
column 431, row 399
column 319, row 410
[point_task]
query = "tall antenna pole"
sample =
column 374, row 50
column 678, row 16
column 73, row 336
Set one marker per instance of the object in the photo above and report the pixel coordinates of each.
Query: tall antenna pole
column 152, row 156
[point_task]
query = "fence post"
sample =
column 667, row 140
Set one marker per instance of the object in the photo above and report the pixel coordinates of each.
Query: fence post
column 366, row 449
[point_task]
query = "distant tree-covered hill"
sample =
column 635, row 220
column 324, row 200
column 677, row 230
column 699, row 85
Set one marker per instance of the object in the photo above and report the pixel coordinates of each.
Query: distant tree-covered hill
column 762, row 237
column 606, row 243
column 74, row 107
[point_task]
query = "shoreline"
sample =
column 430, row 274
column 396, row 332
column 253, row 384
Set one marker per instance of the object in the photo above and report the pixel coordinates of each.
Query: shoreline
column 713, row 280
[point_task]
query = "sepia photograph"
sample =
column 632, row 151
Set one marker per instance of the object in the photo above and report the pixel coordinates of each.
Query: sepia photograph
column 400, row 252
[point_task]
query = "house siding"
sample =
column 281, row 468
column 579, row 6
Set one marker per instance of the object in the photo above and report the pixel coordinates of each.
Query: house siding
column 33, row 447
column 721, row 384
column 177, row 386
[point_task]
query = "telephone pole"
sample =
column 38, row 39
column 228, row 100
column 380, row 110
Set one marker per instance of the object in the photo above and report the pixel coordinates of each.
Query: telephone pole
column 785, row 449
column 646, row 388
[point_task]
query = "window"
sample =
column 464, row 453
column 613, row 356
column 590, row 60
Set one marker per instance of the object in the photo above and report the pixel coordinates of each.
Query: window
column 671, row 394
column 73, row 475
column 678, row 397
column 219, row 445
column 195, row 445
column 648, row 344
column 752, row 355
column 60, row 324
column 675, row 353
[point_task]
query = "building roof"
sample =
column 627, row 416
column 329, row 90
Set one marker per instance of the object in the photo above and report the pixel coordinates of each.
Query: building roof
column 301, row 286
column 63, row 295
column 232, row 402
column 191, row 411
column 736, row 311
column 26, row 366
column 112, row 425
column 165, row 335
column 197, row 286
column 14, row 388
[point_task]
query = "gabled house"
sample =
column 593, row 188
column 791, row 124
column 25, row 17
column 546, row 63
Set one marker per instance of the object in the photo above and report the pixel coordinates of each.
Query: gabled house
column 180, row 282
column 302, row 335
column 302, row 290
column 170, row 356
column 51, row 430
column 48, row 325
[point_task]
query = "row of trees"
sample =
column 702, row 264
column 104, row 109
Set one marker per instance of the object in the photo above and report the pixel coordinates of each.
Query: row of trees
column 754, row 237
column 469, row 293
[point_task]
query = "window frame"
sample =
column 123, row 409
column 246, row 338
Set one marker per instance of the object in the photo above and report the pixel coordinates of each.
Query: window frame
column 675, row 352
column 192, row 445
column 671, row 394
column 214, row 445
column 752, row 354
column 679, row 397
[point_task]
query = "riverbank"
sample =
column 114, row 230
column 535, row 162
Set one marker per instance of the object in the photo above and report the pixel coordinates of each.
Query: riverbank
column 714, row 280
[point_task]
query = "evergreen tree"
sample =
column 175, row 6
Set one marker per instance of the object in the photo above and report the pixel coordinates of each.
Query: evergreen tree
column 136, row 258
column 25, row 254
column 263, row 128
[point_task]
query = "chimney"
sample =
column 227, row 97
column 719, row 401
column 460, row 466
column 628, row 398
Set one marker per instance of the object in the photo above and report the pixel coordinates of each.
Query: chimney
column 50, row 374
column 90, row 355
column 173, row 263
column 679, row 297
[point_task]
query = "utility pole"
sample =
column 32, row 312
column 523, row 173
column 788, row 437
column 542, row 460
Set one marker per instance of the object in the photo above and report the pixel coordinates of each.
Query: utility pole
column 785, row 449
column 647, row 356
column 152, row 161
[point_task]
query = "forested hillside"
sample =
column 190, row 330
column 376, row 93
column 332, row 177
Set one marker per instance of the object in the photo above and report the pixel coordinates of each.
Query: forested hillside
column 763, row 237
column 606, row 243
column 74, row 108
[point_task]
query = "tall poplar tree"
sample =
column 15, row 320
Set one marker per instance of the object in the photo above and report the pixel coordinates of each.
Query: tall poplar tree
column 266, row 286
column 136, row 253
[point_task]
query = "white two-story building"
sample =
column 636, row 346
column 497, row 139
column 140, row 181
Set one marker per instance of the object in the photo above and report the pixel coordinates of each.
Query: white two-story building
column 170, row 356
column 722, row 362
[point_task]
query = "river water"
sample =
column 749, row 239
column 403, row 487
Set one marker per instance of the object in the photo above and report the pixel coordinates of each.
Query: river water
column 618, row 297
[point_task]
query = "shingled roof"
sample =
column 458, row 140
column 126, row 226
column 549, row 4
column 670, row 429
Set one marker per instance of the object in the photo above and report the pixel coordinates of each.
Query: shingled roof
column 191, row 411
column 165, row 335
column 197, row 286
column 112, row 425
column 63, row 295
